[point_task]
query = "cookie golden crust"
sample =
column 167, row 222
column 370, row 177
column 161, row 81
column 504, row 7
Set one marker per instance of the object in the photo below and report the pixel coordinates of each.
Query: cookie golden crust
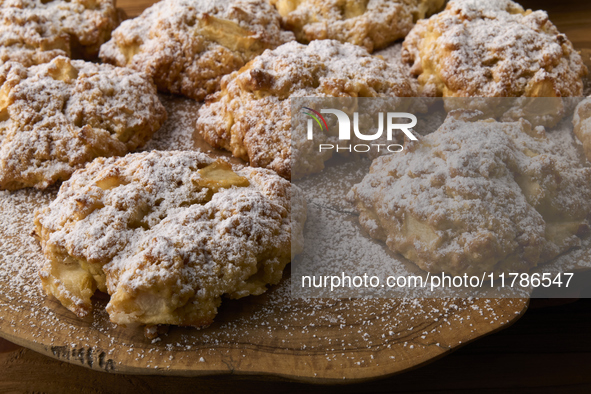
column 57, row 116
column 188, row 45
column 166, row 235
column 370, row 23
column 582, row 125
column 482, row 48
column 251, row 116
column 36, row 31
column 477, row 197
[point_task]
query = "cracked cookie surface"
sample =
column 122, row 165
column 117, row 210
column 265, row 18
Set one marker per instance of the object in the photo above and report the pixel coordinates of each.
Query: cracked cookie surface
column 373, row 24
column 482, row 48
column 166, row 234
column 57, row 116
column 36, row 31
column 186, row 46
column 477, row 197
column 251, row 115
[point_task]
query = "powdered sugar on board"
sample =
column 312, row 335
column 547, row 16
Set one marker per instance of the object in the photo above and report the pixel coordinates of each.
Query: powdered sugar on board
column 267, row 334
column 178, row 132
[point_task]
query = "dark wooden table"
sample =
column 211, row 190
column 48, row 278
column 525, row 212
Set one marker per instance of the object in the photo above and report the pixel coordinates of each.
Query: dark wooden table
column 547, row 350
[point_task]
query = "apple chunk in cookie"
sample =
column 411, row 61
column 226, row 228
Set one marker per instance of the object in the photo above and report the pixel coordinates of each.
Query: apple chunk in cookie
column 186, row 46
column 477, row 197
column 166, row 235
column 251, row 116
column 483, row 48
column 582, row 125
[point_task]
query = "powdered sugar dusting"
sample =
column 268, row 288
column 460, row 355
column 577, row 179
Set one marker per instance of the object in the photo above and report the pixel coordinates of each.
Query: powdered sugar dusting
column 251, row 115
column 481, row 48
column 36, row 31
column 177, row 132
column 342, row 333
column 188, row 45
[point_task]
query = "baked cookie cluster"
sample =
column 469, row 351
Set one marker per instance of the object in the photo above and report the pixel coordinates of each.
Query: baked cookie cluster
column 36, row 31
column 477, row 196
column 251, row 115
column 166, row 234
column 58, row 116
column 188, row 45
column 232, row 225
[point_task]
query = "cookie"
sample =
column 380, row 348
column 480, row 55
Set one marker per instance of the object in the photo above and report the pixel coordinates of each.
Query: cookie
column 36, row 31
column 251, row 116
column 582, row 125
column 482, row 48
column 57, row 116
column 166, row 235
column 371, row 23
column 477, row 197
column 186, row 46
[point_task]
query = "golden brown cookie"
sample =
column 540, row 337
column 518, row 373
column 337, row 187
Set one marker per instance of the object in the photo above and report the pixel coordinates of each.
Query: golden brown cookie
column 483, row 48
column 36, row 31
column 477, row 197
column 166, row 235
column 370, row 23
column 188, row 45
column 582, row 125
column 251, row 115
column 57, row 116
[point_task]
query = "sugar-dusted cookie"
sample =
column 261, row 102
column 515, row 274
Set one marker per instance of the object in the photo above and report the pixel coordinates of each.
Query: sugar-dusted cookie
column 166, row 235
column 483, row 48
column 188, row 45
column 36, row 31
column 57, row 116
column 251, row 115
column 477, row 197
column 370, row 23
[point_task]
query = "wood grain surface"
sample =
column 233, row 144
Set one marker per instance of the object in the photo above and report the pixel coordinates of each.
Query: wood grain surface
column 544, row 352
column 257, row 336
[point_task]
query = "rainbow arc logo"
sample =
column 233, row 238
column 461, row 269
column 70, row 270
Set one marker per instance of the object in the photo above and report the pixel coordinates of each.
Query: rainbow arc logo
column 317, row 117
